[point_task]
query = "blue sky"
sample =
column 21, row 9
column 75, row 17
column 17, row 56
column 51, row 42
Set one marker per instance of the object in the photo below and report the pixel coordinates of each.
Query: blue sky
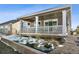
column 13, row 11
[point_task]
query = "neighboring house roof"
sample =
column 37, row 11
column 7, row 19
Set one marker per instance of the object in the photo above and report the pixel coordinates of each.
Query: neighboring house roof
column 8, row 22
column 47, row 10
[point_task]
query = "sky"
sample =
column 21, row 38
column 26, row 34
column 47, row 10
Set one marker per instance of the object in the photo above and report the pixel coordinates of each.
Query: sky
column 14, row 11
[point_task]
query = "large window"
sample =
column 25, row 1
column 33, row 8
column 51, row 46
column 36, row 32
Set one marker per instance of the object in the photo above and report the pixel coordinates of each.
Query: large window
column 51, row 22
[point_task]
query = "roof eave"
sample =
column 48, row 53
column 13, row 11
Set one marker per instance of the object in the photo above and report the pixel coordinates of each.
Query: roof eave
column 47, row 10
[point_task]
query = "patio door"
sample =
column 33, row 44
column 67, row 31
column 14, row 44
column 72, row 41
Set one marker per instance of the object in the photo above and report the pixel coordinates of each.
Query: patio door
column 50, row 23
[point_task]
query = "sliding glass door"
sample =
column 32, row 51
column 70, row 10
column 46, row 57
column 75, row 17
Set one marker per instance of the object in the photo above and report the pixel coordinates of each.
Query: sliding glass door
column 50, row 23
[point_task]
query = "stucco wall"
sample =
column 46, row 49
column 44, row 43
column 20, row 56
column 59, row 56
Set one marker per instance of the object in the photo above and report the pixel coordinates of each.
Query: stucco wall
column 16, row 27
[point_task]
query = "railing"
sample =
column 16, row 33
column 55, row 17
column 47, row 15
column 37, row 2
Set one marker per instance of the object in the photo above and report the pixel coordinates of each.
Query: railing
column 44, row 29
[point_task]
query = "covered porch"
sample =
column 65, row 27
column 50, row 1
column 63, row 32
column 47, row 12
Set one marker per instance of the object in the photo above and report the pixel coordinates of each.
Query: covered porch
column 48, row 23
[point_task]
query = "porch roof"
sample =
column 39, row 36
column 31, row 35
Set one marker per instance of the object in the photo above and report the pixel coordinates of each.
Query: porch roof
column 46, row 11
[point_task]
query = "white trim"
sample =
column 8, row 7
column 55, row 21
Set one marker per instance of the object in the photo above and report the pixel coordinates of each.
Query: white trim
column 64, row 29
column 51, row 20
column 36, row 23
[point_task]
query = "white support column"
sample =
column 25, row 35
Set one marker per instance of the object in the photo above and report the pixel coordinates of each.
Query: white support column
column 64, row 29
column 36, row 23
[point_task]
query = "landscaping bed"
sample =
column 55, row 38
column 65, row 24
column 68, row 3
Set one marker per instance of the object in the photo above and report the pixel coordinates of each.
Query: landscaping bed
column 40, row 44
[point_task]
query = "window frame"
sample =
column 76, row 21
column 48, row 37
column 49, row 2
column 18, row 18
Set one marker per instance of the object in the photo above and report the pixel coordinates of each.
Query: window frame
column 48, row 20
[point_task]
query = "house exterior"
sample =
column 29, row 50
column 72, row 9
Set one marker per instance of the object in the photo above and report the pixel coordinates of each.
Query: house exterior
column 50, row 22
column 53, row 22
column 11, row 27
column 18, row 26
column 6, row 27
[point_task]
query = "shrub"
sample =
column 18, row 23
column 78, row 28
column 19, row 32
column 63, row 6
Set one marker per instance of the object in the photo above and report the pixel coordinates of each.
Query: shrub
column 47, row 45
